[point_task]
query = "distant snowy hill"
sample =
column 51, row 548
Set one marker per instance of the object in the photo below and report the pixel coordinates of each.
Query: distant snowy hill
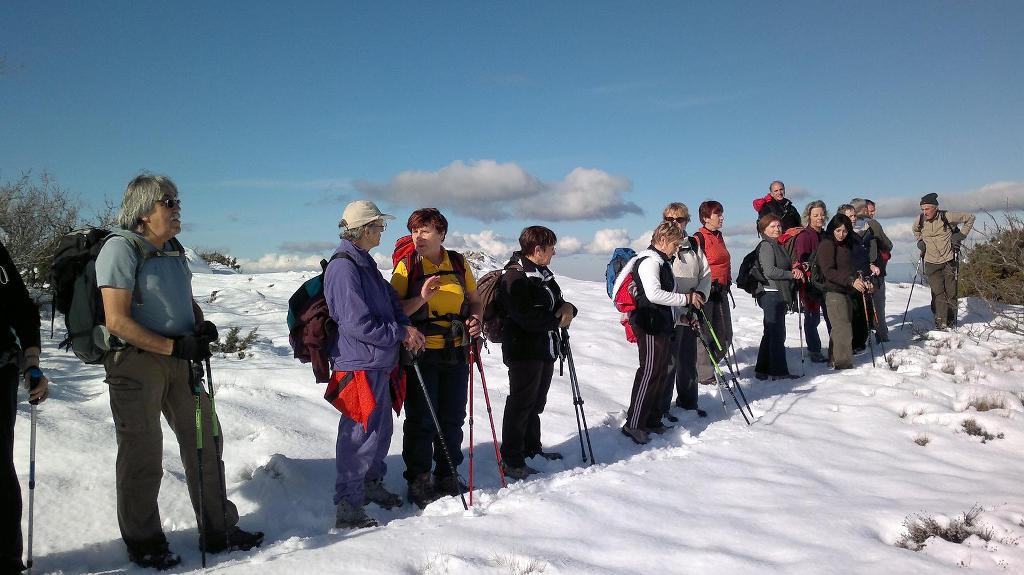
column 821, row 483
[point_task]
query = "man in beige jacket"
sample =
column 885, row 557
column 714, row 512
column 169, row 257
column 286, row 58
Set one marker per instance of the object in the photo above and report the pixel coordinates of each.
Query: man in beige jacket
column 939, row 234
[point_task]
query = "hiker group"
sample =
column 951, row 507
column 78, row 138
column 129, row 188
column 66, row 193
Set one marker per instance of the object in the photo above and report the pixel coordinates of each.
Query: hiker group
column 414, row 341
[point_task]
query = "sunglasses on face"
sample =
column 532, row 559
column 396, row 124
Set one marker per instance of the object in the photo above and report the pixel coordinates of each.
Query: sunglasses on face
column 379, row 226
column 169, row 203
column 678, row 220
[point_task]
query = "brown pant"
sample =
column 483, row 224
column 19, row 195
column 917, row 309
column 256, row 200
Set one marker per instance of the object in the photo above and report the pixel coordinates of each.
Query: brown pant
column 840, row 338
column 942, row 280
column 142, row 386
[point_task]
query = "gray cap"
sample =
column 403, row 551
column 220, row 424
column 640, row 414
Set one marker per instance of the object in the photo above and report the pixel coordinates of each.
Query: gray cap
column 361, row 212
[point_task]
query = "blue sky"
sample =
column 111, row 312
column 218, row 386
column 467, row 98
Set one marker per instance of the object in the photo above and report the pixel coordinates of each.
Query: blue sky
column 587, row 117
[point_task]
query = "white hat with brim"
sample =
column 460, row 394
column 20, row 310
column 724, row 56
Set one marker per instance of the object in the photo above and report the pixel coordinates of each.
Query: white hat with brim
column 361, row 212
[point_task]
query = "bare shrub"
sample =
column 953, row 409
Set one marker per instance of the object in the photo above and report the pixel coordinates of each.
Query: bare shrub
column 922, row 440
column 921, row 527
column 987, row 403
column 217, row 256
column 993, row 271
column 971, row 427
column 35, row 213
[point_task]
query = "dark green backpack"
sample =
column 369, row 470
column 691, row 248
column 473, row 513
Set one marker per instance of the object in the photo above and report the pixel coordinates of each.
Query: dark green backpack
column 76, row 295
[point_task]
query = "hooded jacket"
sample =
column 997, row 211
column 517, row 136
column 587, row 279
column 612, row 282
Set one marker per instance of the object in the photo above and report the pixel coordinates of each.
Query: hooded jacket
column 371, row 324
column 692, row 273
column 836, row 263
column 659, row 302
column 784, row 210
column 529, row 298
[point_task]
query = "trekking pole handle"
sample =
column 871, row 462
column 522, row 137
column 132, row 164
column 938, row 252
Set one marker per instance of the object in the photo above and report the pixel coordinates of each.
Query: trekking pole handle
column 35, row 377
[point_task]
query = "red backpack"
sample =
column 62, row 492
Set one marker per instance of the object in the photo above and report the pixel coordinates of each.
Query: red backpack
column 625, row 297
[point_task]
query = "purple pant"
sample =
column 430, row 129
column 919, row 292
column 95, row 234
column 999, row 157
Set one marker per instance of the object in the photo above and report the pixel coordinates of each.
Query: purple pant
column 360, row 453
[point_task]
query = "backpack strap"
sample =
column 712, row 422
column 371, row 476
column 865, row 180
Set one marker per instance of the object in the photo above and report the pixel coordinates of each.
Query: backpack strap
column 698, row 236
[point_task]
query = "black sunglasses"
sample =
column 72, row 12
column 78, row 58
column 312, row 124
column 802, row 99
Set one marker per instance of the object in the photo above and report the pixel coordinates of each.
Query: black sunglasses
column 169, row 203
column 678, row 220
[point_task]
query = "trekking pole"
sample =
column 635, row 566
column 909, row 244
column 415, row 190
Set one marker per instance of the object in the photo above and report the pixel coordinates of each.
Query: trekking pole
column 732, row 373
column 490, row 413
column 472, row 360
column 880, row 342
column 437, row 426
column 864, row 300
column 800, row 328
column 956, row 288
column 219, row 447
column 719, row 376
column 35, row 376
column 577, row 398
column 916, row 272
column 196, row 372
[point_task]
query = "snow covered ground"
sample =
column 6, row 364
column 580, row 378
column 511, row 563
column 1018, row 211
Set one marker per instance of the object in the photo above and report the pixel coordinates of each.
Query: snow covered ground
column 820, row 483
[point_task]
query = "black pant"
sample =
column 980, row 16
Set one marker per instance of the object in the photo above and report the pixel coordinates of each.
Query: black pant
column 771, row 355
column 681, row 374
column 528, row 382
column 10, row 491
column 861, row 328
column 647, row 394
column 446, row 384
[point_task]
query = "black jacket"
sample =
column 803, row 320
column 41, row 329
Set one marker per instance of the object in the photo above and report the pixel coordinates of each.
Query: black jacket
column 19, row 315
column 784, row 210
column 529, row 300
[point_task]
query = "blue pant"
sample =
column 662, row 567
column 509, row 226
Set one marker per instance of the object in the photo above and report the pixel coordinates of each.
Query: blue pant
column 771, row 355
column 360, row 453
column 446, row 386
column 811, row 321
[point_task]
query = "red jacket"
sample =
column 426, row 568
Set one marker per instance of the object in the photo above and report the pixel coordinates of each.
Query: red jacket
column 718, row 256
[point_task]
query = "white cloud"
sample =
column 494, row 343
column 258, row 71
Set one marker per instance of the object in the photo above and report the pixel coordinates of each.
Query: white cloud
column 486, row 241
column 274, row 262
column 605, row 241
column 994, row 197
column 383, row 261
column 491, row 191
column 643, row 241
column 307, row 247
column 568, row 245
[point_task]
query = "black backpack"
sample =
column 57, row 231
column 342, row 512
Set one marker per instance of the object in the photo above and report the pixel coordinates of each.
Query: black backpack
column 750, row 276
column 815, row 275
column 76, row 295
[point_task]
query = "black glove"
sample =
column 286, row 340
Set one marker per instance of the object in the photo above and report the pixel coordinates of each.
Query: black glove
column 208, row 330
column 921, row 247
column 956, row 240
column 191, row 347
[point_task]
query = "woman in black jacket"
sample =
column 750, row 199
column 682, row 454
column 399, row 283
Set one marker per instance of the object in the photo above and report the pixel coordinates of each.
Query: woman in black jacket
column 774, row 297
column 534, row 310
column 836, row 258
column 19, row 316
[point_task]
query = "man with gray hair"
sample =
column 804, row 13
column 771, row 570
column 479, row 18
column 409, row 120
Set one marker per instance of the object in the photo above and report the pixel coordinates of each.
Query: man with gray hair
column 146, row 286
column 879, row 251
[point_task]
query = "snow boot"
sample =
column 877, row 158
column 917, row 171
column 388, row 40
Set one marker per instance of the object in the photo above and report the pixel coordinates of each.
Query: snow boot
column 659, row 429
column 374, row 492
column 421, row 491
column 549, row 455
column 348, row 516
column 818, row 357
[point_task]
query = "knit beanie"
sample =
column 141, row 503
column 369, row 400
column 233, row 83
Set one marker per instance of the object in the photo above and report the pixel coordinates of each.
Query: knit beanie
column 932, row 199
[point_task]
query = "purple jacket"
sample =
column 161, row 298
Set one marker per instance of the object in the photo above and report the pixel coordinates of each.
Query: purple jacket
column 371, row 324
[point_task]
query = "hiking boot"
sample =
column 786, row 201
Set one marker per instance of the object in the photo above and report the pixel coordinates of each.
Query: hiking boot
column 374, row 492
column 160, row 559
column 760, row 376
column 859, row 350
column 517, row 473
column 818, row 357
column 549, row 455
column 449, row 486
column 236, row 540
column 659, row 429
column 421, row 491
column 348, row 516
column 638, row 436
column 671, row 418
column 700, row 412
column 708, row 381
